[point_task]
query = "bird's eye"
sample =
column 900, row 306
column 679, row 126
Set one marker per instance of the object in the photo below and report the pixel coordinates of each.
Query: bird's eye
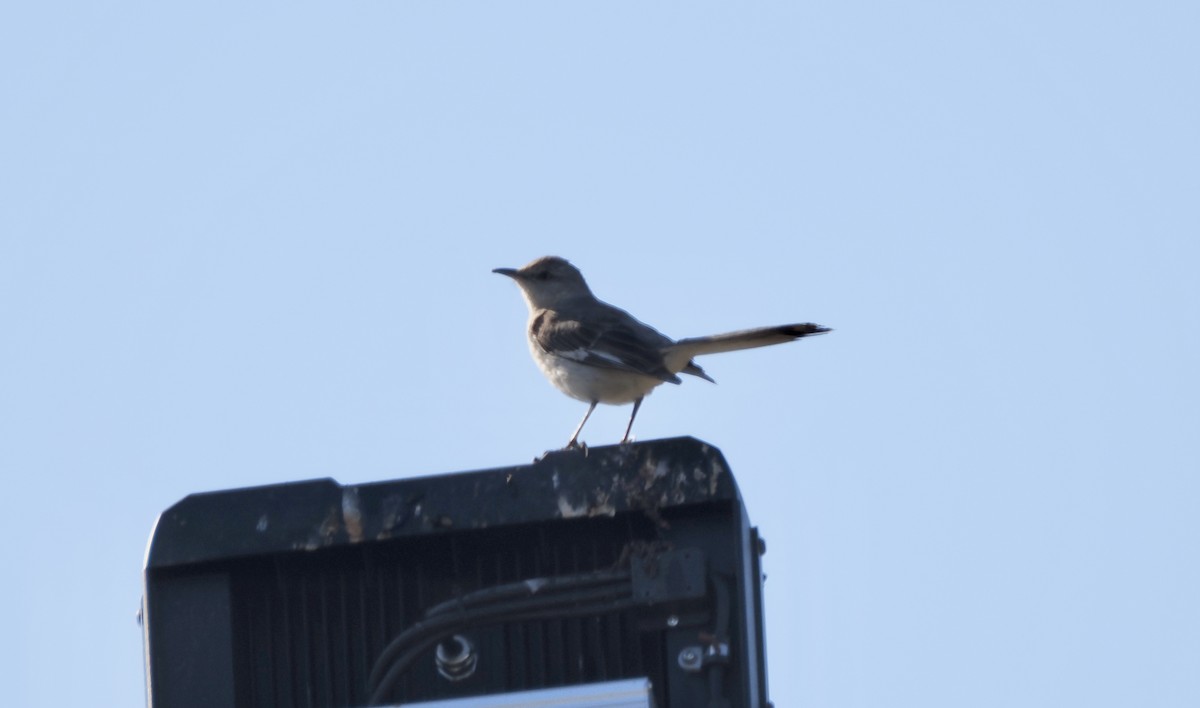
column 544, row 275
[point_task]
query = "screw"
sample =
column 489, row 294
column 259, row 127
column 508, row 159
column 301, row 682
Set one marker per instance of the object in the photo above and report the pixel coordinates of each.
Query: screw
column 689, row 659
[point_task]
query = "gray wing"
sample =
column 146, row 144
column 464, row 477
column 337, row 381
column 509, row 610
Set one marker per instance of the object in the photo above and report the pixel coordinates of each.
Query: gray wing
column 608, row 339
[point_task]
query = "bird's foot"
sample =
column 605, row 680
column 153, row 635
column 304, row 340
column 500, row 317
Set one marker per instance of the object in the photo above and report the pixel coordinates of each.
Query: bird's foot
column 573, row 445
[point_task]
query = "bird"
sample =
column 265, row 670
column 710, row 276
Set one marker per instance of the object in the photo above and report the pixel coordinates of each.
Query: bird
column 597, row 353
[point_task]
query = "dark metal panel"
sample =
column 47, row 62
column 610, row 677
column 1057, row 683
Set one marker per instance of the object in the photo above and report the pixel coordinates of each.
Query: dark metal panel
column 190, row 639
column 316, row 578
column 306, row 516
column 758, row 548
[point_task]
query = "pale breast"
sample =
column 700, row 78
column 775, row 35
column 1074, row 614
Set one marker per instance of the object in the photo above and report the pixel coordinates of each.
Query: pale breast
column 591, row 383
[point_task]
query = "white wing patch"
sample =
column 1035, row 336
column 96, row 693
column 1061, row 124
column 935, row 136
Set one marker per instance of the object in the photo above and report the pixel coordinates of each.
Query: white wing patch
column 574, row 354
column 607, row 356
column 589, row 356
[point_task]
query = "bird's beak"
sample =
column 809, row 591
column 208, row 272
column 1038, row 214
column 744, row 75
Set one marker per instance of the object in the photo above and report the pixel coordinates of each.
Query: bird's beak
column 510, row 272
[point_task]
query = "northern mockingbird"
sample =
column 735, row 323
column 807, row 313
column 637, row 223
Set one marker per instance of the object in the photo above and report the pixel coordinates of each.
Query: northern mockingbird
column 597, row 353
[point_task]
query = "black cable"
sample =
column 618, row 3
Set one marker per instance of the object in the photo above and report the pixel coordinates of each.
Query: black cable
column 720, row 635
column 533, row 586
column 401, row 664
column 482, row 605
column 721, row 592
column 438, row 625
column 443, row 617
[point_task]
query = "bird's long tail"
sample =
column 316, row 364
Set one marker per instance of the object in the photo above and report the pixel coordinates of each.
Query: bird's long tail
column 678, row 355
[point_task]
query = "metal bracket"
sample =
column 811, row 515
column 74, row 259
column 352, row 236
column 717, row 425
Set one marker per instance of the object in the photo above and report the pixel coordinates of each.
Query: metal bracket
column 671, row 576
column 696, row 658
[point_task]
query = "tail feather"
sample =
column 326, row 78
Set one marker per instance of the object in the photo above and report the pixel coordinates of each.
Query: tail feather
column 747, row 338
column 678, row 355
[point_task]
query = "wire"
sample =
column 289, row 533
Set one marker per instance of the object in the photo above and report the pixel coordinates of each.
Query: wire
column 419, row 646
column 539, row 597
column 720, row 634
column 445, row 623
column 533, row 586
column 439, row 616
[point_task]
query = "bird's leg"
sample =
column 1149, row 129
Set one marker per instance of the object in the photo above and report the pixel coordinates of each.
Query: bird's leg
column 574, row 441
column 636, row 405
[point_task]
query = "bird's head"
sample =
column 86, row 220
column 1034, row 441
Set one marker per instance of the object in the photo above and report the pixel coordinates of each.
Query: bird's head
column 548, row 282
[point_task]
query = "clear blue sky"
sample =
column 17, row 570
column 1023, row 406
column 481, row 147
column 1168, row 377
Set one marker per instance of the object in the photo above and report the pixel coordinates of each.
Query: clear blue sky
column 248, row 243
